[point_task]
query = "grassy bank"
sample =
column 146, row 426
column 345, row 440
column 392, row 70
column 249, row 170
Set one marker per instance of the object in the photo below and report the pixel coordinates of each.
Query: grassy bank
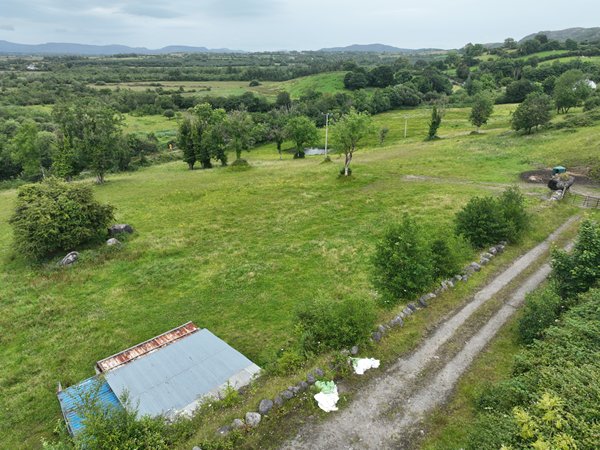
column 235, row 252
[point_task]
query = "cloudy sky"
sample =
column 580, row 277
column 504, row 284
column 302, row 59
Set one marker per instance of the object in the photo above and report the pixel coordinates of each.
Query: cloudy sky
column 293, row 24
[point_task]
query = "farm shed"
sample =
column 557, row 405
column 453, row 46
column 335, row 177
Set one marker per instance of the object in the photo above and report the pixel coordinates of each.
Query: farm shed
column 171, row 373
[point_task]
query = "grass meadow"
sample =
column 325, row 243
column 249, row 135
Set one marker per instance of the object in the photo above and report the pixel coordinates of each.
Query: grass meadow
column 328, row 82
column 237, row 251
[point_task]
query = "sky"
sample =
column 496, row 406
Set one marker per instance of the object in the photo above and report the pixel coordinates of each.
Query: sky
column 262, row 25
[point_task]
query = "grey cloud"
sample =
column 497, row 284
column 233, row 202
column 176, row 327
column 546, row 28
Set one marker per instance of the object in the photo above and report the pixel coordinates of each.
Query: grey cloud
column 145, row 10
column 7, row 28
column 240, row 8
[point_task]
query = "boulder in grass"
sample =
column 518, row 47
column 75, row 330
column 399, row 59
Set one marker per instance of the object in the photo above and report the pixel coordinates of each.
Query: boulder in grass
column 238, row 424
column 224, row 430
column 265, row 406
column 252, row 419
column 113, row 242
column 354, row 350
column 120, row 228
column 278, row 401
column 69, row 259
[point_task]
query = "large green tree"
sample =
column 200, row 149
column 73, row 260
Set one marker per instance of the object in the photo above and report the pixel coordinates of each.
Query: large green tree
column 33, row 150
column 302, row 131
column 348, row 132
column 90, row 130
column 535, row 111
column 238, row 129
column 482, row 109
column 570, row 90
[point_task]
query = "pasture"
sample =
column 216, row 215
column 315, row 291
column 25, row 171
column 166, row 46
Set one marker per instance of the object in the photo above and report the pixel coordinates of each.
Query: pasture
column 236, row 252
column 328, row 82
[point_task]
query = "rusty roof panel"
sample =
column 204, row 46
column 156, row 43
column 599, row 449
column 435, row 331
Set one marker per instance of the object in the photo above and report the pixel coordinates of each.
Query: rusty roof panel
column 145, row 347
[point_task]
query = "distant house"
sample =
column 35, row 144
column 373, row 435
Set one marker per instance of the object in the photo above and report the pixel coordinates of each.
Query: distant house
column 591, row 84
column 32, row 67
column 169, row 374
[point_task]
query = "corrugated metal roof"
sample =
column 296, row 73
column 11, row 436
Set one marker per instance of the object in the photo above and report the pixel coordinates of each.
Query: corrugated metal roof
column 145, row 347
column 176, row 376
column 73, row 398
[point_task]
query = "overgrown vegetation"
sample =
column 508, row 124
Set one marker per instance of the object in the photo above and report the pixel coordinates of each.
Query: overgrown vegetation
column 489, row 220
column 55, row 215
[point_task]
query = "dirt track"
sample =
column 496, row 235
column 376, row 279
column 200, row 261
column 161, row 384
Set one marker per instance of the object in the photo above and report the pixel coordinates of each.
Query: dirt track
column 387, row 411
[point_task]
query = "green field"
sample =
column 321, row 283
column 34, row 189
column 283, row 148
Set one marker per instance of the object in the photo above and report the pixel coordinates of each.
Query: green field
column 330, row 82
column 235, row 252
column 592, row 59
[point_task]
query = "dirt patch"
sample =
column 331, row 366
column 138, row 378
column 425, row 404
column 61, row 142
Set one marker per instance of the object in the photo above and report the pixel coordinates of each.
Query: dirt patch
column 542, row 176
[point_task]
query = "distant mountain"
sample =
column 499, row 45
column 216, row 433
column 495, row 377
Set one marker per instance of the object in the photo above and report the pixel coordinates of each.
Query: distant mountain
column 59, row 48
column 375, row 48
column 577, row 34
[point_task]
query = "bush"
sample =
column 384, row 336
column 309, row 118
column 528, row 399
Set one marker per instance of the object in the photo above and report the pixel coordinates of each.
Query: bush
column 330, row 325
column 446, row 261
column 542, row 308
column 512, row 204
column 487, row 220
column 482, row 222
column 111, row 427
column 403, row 265
column 55, row 215
column 579, row 270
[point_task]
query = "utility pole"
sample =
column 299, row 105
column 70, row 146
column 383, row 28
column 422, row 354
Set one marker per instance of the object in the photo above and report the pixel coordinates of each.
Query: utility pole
column 326, row 132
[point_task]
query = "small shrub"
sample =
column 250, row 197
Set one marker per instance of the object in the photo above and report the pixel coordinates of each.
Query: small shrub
column 512, row 203
column 254, row 83
column 579, row 270
column 54, row 215
column 290, row 361
column 487, row 220
column 229, row 396
column 542, row 308
column 445, row 259
column 333, row 325
column 403, row 265
column 107, row 427
column 482, row 222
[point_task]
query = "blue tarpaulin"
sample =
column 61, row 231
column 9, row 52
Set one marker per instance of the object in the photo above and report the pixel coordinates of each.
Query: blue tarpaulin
column 73, row 398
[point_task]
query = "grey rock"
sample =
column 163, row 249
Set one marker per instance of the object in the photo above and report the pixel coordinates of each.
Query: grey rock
column 407, row 311
column 377, row 336
column 397, row 321
column 224, row 430
column 500, row 248
column 302, row 386
column 265, row 406
column 487, row 255
column 503, row 243
column 196, row 448
column 69, row 259
column 253, row 419
column 456, row 278
column 382, row 329
column 438, row 291
column 449, row 284
column 287, row 395
column 484, row 261
column 476, row 267
column 293, row 389
column 120, row 228
column 345, row 352
column 310, row 378
column 354, row 350
column 319, row 372
column 238, row 424
column 412, row 306
column 278, row 401
column 422, row 302
column 465, row 277
column 112, row 241
column 492, row 250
